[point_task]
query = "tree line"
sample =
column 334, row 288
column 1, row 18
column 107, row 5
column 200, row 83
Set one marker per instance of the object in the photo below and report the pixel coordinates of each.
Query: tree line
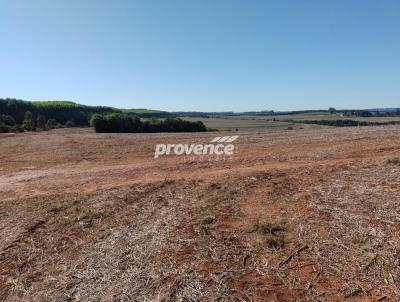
column 123, row 123
column 29, row 123
column 20, row 115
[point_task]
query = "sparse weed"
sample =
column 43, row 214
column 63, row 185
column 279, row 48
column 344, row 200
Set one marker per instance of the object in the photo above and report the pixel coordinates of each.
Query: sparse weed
column 394, row 161
column 266, row 227
column 274, row 242
column 270, row 232
column 65, row 220
column 91, row 216
column 208, row 220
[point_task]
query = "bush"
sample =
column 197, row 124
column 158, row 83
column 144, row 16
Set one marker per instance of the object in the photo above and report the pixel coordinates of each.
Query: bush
column 51, row 123
column 99, row 122
column 41, row 121
column 4, row 128
column 7, row 124
column 7, row 120
column 18, row 128
column 69, row 124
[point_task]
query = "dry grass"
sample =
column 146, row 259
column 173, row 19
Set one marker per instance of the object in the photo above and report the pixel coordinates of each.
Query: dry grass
column 298, row 216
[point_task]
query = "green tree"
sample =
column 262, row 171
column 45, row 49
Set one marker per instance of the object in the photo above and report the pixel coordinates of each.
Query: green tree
column 41, row 121
column 29, row 122
column 117, row 122
column 99, row 122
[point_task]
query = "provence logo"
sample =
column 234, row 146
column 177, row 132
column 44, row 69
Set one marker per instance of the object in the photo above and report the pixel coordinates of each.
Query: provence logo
column 221, row 145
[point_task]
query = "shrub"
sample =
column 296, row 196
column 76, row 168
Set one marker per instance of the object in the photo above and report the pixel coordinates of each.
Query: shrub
column 7, row 120
column 29, row 122
column 51, row 123
column 41, row 121
column 4, row 128
column 69, row 124
column 99, row 122
column 18, row 128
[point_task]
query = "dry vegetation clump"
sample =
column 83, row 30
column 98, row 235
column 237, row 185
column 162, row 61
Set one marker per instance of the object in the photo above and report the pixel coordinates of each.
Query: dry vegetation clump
column 394, row 161
column 268, row 228
column 271, row 232
column 274, row 242
column 208, row 220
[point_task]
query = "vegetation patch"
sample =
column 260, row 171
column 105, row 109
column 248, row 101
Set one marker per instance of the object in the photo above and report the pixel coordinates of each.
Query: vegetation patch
column 265, row 227
column 394, row 161
column 123, row 123
column 274, row 242
column 271, row 233
column 208, row 220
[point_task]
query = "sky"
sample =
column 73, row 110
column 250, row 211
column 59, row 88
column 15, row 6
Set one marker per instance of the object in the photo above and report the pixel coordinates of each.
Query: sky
column 203, row 55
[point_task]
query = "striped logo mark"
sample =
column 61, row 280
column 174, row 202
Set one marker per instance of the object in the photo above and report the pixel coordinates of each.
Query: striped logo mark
column 224, row 139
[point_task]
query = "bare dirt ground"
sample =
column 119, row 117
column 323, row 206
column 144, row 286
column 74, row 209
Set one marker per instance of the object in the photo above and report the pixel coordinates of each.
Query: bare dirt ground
column 254, row 123
column 308, row 214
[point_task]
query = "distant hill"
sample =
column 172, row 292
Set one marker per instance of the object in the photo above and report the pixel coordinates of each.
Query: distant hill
column 149, row 113
column 66, row 111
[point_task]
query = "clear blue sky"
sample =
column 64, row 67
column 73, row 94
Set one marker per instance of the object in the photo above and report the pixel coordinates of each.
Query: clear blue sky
column 203, row 55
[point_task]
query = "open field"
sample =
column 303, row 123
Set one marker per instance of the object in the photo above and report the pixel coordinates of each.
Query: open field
column 336, row 116
column 246, row 123
column 308, row 214
column 255, row 123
